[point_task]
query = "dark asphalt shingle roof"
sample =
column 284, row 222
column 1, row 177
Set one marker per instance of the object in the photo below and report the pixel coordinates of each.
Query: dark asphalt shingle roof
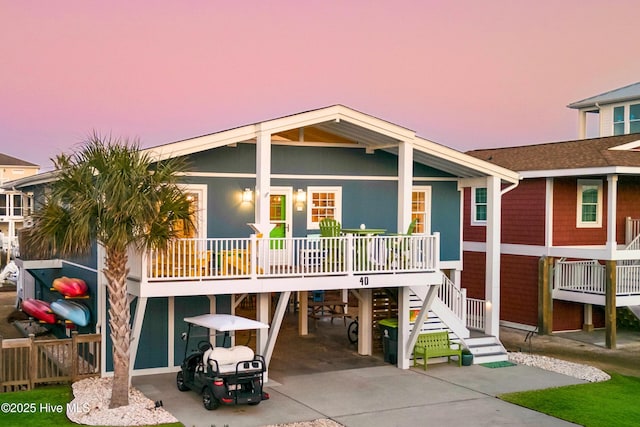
column 583, row 153
column 6, row 160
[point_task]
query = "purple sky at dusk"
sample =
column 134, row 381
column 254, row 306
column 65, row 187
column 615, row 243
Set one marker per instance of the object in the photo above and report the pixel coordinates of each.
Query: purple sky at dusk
column 466, row 74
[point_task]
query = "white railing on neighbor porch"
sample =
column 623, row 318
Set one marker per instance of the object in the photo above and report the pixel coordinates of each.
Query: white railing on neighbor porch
column 476, row 313
column 198, row 259
column 590, row 277
column 628, row 280
column 586, row 276
column 632, row 234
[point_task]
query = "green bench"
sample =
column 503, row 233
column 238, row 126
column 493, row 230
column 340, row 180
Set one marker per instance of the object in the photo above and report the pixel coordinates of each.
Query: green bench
column 435, row 344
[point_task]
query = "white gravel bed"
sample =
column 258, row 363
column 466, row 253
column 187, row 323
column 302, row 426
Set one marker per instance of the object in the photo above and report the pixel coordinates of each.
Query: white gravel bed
column 576, row 370
column 91, row 403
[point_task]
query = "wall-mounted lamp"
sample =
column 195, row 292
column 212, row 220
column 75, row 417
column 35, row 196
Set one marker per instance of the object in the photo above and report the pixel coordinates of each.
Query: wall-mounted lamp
column 247, row 195
column 301, row 198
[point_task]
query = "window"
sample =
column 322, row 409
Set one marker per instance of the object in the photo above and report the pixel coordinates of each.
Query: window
column 421, row 209
column 618, row 121
column 478, row 206
column 634, row 118
column 4, row 204
column 589, row 212
column 323, row 202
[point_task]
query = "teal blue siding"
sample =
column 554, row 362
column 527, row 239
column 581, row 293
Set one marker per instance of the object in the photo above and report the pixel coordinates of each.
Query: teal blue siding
column 152, row 348
column 186, row 307
column 445, row 218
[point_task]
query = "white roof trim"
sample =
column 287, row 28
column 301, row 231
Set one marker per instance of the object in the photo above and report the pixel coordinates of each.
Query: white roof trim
column 629, row 146
column 609, row 170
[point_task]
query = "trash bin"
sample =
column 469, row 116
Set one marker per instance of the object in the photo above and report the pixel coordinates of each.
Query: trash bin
column 389, row 330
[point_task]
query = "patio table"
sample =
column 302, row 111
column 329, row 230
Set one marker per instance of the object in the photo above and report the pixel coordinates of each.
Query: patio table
column 364, row 257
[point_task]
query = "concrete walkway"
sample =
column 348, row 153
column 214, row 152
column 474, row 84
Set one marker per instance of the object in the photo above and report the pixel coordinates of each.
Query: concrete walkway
column 374, row 396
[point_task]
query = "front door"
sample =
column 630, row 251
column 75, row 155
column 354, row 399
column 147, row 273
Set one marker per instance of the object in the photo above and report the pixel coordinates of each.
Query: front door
column 280, row 213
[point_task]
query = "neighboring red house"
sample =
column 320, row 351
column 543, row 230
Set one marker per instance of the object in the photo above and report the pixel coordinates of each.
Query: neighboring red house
column 570, row 251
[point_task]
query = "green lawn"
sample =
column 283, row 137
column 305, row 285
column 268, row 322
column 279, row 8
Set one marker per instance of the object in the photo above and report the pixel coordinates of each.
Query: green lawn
column 43, row 406
column 608, row 403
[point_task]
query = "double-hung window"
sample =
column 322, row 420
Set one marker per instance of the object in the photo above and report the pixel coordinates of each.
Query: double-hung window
column 589, row 212
column 479, row 206
column 323, row 202
column 626, row 119
column 618, row 120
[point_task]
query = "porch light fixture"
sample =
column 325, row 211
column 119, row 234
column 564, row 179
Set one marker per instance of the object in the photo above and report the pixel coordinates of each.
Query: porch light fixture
column 247, row 195
column 301, row 198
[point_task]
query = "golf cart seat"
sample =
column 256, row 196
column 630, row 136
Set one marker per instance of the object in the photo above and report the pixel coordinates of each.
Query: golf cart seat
column 226, row 359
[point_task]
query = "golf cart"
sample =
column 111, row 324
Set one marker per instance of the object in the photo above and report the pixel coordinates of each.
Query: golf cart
column 228, row 376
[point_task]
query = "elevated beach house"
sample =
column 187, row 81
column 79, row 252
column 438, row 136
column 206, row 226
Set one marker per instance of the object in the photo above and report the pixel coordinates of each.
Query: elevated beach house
column 262, row 191
column 571, row 230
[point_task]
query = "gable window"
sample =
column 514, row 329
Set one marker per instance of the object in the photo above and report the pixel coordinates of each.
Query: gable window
column 323, row 202
column 479, row 206
column 626, row 119
column 634, row 118
column 618, row 121
column 421, row 209
column 589, row 212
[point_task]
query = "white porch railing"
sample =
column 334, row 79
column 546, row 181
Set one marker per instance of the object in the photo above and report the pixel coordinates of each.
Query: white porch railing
column 628, row 280
column 454, row 298
column 580, row 276
column 198, row 259
column 475, row 313
column 590, row 277
column 632, row 234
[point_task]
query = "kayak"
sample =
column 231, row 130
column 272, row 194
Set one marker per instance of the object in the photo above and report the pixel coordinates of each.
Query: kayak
column 70, row 286
column 39, row 309
column 73, row 311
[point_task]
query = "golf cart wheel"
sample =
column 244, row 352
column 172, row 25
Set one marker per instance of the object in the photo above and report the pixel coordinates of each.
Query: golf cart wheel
column 180, row 382
column 209, row 400
column 352, row 332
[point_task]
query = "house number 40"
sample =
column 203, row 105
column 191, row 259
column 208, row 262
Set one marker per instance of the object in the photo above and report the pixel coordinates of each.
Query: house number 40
column 364, row 281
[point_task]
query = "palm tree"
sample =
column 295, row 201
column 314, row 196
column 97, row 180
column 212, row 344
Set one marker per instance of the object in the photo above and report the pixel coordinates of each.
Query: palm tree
column 111, row 193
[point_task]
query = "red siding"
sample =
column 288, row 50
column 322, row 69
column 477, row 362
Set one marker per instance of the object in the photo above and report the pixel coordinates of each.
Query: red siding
column 569, row 316
column 519, row 289
column 565, row 232
column 628, row 203
column 472, row 277
column 523, row 213
column 471, row 233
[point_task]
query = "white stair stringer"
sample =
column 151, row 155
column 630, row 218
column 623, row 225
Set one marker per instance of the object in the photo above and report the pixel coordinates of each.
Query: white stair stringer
column 635, row 309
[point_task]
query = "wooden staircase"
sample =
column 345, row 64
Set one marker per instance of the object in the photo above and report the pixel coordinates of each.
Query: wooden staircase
column 485, row 349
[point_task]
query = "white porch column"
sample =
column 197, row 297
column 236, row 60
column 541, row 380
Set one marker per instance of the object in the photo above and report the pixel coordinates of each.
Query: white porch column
column 405, row 184
column 492, row 275
column 263, row 181
column 365, row 321
column 582, row 124
column 612, row 202
column 403, row 327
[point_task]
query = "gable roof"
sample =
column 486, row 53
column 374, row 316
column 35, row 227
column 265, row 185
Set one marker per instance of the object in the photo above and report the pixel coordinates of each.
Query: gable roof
column 6, row 160
column 338, row 125
column 613, row 154
column 622, row 94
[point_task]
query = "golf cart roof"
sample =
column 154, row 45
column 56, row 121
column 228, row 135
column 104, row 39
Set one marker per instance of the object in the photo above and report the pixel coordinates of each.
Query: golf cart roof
column 225, row 322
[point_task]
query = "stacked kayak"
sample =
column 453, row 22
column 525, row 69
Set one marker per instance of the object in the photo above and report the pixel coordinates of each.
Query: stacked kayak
column 39, row 309
column 62, row 310
column 70, row 310
column 70, row 286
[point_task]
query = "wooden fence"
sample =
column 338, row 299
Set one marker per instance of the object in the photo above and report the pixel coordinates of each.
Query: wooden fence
column 27, row 362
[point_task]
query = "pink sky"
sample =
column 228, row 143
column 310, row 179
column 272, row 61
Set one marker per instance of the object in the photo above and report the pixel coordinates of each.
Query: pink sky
column 466, row 74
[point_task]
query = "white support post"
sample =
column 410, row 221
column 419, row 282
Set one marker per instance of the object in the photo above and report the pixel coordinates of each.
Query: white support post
column 612, row 203
column 263, row 302
column 303, row 314
column 274, row 328
column 405, row 184
column 492, row 275
column 138, row 318
column 365, row 320
column 404, row 306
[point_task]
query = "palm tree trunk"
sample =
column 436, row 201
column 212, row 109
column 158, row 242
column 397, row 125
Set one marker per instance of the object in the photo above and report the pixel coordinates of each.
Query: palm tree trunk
column 119, row 315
